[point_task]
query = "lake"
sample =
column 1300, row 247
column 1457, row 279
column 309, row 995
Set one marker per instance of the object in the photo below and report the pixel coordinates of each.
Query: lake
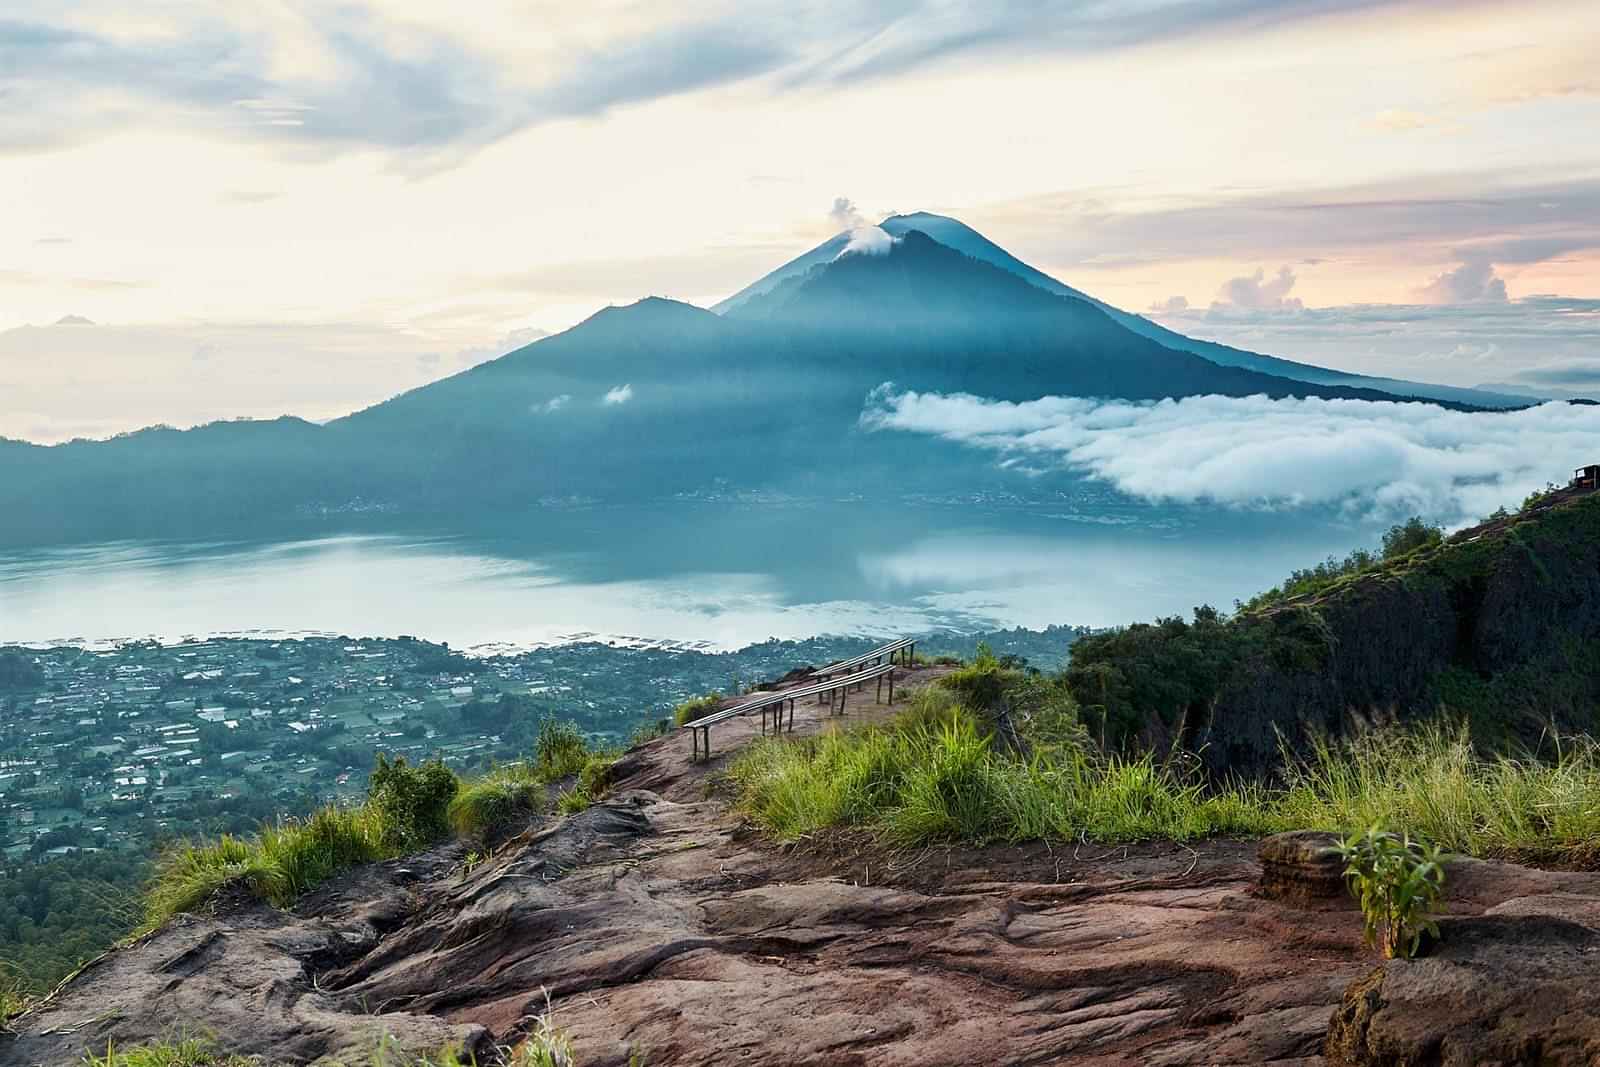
column 715, row 575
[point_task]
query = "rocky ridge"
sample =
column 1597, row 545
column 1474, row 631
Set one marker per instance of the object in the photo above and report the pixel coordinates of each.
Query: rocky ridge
column 657, row 925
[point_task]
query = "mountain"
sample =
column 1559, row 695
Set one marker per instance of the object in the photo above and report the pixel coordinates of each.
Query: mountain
column 955, row 234
column 648, row 401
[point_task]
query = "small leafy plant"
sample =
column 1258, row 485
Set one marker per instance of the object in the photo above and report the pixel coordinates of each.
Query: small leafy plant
column 1399, row 883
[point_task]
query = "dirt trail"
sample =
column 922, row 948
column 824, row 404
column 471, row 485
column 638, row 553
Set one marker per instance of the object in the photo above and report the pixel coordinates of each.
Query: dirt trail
column 659, row 926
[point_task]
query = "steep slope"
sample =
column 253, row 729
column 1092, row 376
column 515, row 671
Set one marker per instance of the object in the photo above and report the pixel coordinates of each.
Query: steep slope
column 1500, row 626
column 934, row 318
column 957, row 235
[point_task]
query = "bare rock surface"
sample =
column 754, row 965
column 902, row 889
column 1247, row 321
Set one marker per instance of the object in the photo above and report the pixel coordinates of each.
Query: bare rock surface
column 656, row 924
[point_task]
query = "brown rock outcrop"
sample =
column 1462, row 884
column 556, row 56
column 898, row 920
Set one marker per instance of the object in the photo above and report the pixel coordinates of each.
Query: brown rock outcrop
column 656, row 923
column 1503, row 988
column 1302, row 867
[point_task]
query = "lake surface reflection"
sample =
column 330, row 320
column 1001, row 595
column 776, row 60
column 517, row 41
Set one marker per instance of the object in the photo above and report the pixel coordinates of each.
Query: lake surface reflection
column 714, row 575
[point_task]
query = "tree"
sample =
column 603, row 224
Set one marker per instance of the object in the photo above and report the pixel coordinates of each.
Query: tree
column 1408, row 537
column 19, row 671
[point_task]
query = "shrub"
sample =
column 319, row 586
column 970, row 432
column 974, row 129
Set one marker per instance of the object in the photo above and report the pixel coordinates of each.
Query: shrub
column 560, row 751
column 411, row 801
column 1398, row 882
column 1410, row 536
column 698, row 708
column 1044, row 711
column 981, row 684
column 595, row 777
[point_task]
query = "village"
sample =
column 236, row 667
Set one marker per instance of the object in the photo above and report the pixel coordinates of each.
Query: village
column 127, row 748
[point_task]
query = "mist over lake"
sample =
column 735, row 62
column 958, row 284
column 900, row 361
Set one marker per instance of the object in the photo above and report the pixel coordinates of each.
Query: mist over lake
column 719, row 575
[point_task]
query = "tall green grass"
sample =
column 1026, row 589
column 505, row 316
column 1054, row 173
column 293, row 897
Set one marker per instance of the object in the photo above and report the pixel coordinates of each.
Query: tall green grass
column 407, row 808
column 938, row 779
column 284, row 860
column 933, row 776
column 1434, row 783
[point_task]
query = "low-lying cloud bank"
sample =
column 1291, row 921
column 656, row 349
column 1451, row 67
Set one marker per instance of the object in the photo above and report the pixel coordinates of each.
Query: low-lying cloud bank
column 1369, row 458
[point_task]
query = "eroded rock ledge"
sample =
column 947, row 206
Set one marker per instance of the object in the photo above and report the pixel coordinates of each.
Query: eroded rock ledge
column 656, row 924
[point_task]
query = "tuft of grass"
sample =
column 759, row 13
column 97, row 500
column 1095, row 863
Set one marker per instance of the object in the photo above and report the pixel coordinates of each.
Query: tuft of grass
column 498, row 798
column 546, row 1045
column 491, row 803
column 593, row 781
column 698, row 708
column 15, row 998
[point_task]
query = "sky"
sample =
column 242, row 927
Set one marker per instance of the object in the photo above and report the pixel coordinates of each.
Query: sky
column 271, row 206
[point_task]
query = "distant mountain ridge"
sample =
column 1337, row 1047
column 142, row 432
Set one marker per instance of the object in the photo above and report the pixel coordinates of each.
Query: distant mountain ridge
column 653, row 400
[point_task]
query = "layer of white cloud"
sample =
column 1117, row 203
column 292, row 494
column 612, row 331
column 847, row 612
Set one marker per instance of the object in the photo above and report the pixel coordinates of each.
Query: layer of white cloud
column 1382, row 459
column 620, row 394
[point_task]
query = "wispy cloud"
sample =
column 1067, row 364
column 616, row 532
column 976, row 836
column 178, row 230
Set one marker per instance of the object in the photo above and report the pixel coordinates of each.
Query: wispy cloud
column 431, row 94
column 1513, row 342
column 1433, row 219
column 425, row 95
column 1385, row 459
column 620, row 394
